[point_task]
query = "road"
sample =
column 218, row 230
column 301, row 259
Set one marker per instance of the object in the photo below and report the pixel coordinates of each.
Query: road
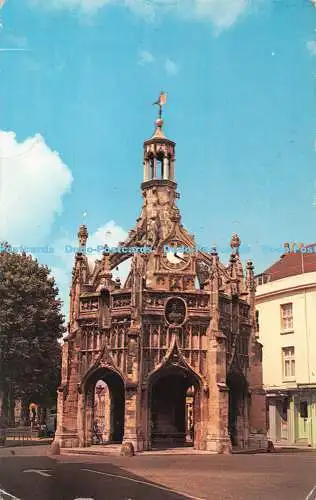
column 173, row 477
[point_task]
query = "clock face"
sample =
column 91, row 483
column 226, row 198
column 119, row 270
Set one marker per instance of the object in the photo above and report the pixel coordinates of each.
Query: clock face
column 174, row 259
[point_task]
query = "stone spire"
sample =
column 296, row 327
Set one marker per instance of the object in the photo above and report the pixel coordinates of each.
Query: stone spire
column 237, row 272
column 250, row 277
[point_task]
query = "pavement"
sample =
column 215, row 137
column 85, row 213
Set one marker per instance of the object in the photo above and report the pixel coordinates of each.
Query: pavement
column 27, row 473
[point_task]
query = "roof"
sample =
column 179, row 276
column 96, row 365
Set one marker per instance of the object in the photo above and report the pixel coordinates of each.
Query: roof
column 291, row 264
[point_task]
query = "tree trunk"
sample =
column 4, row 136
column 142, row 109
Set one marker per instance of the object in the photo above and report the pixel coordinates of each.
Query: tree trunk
column 11, row 405
column 4, row 405
column 1, row 402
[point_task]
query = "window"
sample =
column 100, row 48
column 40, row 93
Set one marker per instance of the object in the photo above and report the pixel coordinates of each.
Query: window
column 303, row 409
column 287, row 317
column 288, row 362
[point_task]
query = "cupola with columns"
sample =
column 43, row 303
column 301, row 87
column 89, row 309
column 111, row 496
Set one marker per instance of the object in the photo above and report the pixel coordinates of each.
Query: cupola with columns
column 159, row 154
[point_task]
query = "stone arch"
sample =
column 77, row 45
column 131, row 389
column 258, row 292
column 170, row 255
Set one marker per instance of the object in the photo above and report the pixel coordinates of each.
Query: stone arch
column 168, row 389
column 116, row 386
column 160, row 164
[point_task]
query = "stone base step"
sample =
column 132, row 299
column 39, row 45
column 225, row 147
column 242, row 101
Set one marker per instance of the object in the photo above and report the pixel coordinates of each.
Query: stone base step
column 93, row 450
column 116, row 449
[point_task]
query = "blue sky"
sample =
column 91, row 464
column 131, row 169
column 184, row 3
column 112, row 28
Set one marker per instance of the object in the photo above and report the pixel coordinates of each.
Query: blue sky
column 76, row 105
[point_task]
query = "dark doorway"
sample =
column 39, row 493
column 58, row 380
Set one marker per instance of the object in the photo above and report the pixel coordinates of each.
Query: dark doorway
column 238, row 407
column 171, row 394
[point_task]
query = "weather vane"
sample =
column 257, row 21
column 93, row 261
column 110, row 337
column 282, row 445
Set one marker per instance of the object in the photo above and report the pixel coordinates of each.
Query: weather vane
column 161, row 101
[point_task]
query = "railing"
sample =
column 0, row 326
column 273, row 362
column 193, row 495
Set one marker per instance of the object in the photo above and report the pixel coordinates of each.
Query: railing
column 21, row 434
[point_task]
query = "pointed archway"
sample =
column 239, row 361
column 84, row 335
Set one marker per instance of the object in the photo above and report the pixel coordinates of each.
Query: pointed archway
column 114, row 414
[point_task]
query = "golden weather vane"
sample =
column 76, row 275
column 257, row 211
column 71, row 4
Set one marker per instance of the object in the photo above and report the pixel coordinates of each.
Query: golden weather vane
column 161, row 101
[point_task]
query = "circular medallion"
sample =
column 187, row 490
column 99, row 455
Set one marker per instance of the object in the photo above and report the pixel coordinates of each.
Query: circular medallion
column 175, row 311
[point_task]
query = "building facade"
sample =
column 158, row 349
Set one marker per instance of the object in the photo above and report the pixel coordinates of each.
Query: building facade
column 175, row 344
column 286, row 309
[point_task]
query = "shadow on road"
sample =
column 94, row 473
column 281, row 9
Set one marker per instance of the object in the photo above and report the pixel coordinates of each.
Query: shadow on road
column 44, row 478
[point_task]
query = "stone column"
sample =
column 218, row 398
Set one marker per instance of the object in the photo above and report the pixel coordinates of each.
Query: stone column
column 200, row 418
column 145, row 419
column 166, row 168
column 89, row 410
column 217, row 438
column 171, row 169
column 81, row 420
column 132, row 393
column 130, row 425
column 146, row 171
column 60, row 413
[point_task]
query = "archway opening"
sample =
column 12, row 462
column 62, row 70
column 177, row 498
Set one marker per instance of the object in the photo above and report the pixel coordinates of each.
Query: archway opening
column 173, row 417
column 160, row 166
column 238, row 409
column 105, row 407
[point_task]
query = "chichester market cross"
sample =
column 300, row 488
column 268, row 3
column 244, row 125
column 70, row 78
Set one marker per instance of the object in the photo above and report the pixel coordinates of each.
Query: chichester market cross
column 174, row 348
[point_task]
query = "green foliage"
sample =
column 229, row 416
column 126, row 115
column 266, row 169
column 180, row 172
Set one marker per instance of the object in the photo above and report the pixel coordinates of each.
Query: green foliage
column 30, row 325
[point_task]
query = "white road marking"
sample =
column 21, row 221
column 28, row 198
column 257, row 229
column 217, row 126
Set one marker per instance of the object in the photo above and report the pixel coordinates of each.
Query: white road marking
column 310, row 493
column 4, row 495
column 144, row 482
column 39, row 471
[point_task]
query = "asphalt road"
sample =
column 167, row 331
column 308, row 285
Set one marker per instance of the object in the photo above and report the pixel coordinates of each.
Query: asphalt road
column 238, row 477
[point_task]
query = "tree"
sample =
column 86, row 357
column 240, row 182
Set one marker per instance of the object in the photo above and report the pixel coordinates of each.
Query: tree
column 31, row 323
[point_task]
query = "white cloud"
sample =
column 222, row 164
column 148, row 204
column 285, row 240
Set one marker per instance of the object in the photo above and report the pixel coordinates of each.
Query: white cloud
column 145, row 57
column 33, row 180
column 171, row 67
column 85, row 5
column 222, row 13
column 311, row 47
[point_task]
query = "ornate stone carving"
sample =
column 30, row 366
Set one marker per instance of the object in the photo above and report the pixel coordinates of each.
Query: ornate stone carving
column 89, row 304
column 175, row 311
column 121, row 301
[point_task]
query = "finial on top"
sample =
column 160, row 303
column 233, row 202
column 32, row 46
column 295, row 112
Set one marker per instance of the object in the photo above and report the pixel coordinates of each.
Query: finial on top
column 83, row 235
column 250, row 266
column 235, row 243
